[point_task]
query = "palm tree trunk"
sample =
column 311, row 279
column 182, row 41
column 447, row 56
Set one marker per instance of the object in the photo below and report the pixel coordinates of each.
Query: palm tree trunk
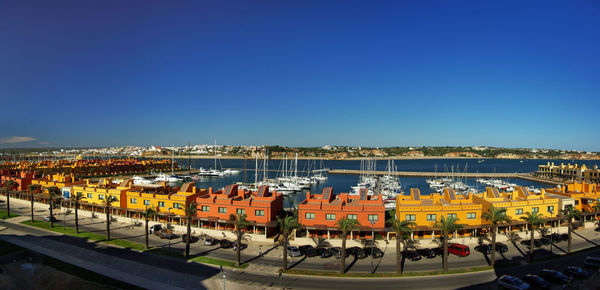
column 398, row 255
column 146, row 218
column 531, row 244
column 32, row 207
column 238, row 249
column 107, row 224
column 343, row 256
column 445, row 258
column 285, row 262
column 189, row 237
column 76, row 218
column 493, row 261
column 51, row 215
column 569, row 240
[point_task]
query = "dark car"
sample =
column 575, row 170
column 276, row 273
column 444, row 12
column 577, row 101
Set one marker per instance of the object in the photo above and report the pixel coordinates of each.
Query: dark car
column 438, row 251
column 323, row 252
column 360, row 253
column 536, row 281
column 210, row 241
column 564, row 237
column 411, row 255
column 243, row 246
column 427, row 253
column 225, row 243
column 308, row 250
column 556, row 237
column 377, row 253
column 337, row 252
column 554, row 276
column 166, row 234
column 484, row 249
column 192, row 239
column 576, row 272
column 501, row 248
column 47, row 219
column 592, row 262
column 352, row 250
column 536, row 243
column 545, row 241
column 155, row 228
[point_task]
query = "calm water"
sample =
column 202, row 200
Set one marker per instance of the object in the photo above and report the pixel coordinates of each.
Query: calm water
column 342, row 182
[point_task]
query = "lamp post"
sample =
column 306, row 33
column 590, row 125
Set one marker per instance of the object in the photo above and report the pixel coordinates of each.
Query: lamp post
column 551, row 239
column 373, row 240
column 169, row 228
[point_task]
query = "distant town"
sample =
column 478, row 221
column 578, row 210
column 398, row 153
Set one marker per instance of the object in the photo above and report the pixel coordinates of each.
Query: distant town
column 324, row 152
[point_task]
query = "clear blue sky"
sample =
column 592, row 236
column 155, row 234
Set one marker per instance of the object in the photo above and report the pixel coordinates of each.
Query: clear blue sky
column 302, row 73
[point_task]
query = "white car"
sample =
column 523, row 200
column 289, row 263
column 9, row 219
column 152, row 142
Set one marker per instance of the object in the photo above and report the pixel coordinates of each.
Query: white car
column 511, row 282
column 210, row 242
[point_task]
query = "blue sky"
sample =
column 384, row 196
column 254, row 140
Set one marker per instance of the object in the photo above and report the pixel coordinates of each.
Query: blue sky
column 303, row 73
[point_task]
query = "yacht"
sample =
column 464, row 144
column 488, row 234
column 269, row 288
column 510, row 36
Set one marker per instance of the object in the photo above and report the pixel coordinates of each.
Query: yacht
column 137, row 180
column 162, row 177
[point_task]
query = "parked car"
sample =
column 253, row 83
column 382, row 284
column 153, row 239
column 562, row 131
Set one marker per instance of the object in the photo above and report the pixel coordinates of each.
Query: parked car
column 576, row 272
column 555, row 237
column 48, row 219
column 166, row 234
column 308, row 250
column 545, row 241
column 536, row 281
column 536, row 243
column 210, row 241
column 377, row 253
column 184, row 238
column 225, row 243
column 592, row 262
column 337, row 252
column 323, row 252
column 427, row 253
column 352, row 250
column 155, row 228
column 411, row 255
column 360, row 254
column 294, row 251
column 242, row 247
column 501, row 248
column 511, row 282
column 554, row 276
column 564, row 237
column 439, row 251
column 484, row 249
column 459, row 250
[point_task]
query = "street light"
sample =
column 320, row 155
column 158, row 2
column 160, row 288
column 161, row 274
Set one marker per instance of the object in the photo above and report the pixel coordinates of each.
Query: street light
column 373, row 242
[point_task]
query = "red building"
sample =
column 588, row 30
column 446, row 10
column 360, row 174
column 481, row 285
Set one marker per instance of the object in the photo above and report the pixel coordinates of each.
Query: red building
column 23, row 179
column 319, row 213
column 261, row 207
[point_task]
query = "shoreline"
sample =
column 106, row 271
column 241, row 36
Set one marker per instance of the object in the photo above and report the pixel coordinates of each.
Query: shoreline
column 353, row 158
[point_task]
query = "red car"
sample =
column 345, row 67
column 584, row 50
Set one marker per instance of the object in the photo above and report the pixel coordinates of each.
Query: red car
column 459, row 250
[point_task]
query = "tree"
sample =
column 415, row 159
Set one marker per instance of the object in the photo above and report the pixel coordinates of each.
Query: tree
column 286, row 225
column 53, row 193
column 446, row 226
column 109, row 199
column 7, row 187
column 190, row 212
column 571, row 213
column 149, row 212
column 76, row 198
column 32, row 189
column 495, row 216
column 402, row 229
column 239, row 223
column 346, row 225
column 533, row 219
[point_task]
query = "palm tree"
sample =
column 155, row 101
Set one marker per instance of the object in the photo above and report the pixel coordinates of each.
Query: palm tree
column 571, row 213
column 149, row 212
column 346, row 225
column 7, row 187
column 446, row 226
column 286, row 225
column 402, row 229
column 32, row 189
column 496, row 216
column 53, row 193
column 77, row 197
column 190, row 212
column 107, row 205
column 239, row 223
column 533, row 219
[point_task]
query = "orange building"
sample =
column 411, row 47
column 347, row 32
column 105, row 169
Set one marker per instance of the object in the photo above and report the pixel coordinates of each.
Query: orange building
column 319, row 213
column 261, row 207
column 23, row 179
column 586, row 195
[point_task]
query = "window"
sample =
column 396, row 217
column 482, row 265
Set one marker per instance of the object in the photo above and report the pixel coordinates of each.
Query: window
column 101, row 196
column 161, row 204
column 519, row 211
column 146, row 202
column 177, row 205
column 310, row 215
column 411, row 217
column 90, row 196
column 259, row 212
column 535, row 210
column 133, row 200
column 240, row 211
column 330, row 217
column 373, row 217
column 352, row 217
column 431, row 217
column 205, row 208
column 471, row 215
column 451, row 215
column 222, row 210
column 550, row 208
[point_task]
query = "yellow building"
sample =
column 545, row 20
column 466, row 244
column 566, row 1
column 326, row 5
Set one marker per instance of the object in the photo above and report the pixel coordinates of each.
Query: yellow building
column 162, row 197
column 59, row 180
column 518, row 202
column 569, row 171
column 586, row 195
column 96, row 193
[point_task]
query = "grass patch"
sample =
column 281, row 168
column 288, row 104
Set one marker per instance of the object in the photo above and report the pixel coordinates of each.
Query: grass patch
column 4, row 215
column 86, row 235
column 8, row 248
column 382, row 275
column 218, row 262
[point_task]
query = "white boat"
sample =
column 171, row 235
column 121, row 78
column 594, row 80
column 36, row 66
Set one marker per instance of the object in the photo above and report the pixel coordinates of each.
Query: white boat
column 167, row 178
column 140, row 180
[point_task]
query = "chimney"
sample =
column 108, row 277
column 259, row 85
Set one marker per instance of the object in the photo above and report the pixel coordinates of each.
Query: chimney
column 210, row 190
